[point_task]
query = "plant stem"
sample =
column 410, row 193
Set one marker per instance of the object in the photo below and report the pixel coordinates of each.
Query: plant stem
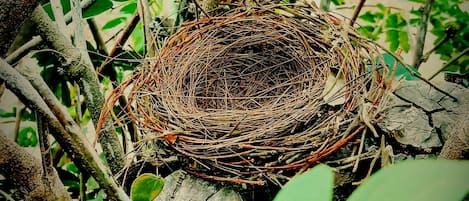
column 356, row 12
column 61, row 124
column 451, row 61
column 79, row 67
column 119, row 44
column 421, row 33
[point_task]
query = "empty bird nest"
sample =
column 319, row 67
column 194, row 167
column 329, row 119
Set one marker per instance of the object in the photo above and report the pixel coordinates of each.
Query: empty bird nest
column 255, row 93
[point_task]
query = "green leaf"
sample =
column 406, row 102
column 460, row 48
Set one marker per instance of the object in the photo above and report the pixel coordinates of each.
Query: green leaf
column 5, row 114
column 27, row 137
column 91, row 184
column 98, row 7
column 146, row 187
column 338, row 2
column 392, row 36
column 113, row 23
column 429, row 180
column 383, row 8
column 71, row 167
column 392, row 21
column 313, row 185
column 389, row 61
column 368, row 16
column 139, row 38
column 404, row 41
column 129, row 8
column 65, row 8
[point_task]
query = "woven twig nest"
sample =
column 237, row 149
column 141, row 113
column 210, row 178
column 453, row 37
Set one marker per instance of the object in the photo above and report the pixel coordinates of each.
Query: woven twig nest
column 256, row 93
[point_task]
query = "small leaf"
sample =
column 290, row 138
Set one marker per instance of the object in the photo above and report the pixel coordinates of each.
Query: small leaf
column 27, row 137
column 429, row 180
column 146, row 187
column 392, row 36
column 129, row 8
column 368, row 16
column 97, row 8
column 313, row 185
column 5, row 114
column 113, row 23
column 404, row 41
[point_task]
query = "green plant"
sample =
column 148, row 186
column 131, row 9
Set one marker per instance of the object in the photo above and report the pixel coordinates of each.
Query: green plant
column 408, row 180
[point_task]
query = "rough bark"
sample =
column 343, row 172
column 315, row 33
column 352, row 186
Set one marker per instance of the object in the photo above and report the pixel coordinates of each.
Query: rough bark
column 27, row 174
column 13, row 13
column 456, row 146
column 69, row 137
column 82, row 71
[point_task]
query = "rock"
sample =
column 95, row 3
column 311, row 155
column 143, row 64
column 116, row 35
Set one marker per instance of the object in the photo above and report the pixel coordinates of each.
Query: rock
column 180, row 186
column 418, row 113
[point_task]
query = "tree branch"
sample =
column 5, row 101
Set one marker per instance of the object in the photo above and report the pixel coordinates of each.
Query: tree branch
column 26, row 173
column 451, row 61
column 421, row 33
column 356, row 12
column 64, row 132
column 80, row 68
column 13, row 13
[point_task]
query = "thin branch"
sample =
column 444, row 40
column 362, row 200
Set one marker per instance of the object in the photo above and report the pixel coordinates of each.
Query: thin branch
column 100, row 44
column 144, row 12
column 57, row 10
column 119, row 44
column 406, row 66
column 356, row 12
column 79, row 67
column 62, row 129
column 421, row 34
column 451, row 61
column 23, row 50
column 448, row 35
column 13, row 14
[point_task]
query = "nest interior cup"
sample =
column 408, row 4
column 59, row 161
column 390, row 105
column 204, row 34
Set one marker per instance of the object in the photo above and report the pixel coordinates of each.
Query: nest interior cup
column 246, row 96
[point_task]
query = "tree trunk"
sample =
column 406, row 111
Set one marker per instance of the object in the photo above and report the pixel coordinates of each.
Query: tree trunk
column 13, row 13
column 27, row 174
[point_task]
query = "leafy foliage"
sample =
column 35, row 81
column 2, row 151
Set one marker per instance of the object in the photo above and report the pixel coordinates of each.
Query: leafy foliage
column 407, row 180
column 386, row 21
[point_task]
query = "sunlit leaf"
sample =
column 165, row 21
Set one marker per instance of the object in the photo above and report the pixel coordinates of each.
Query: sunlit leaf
column 129, row 8
column 313, row 185
column 113, row 23
column 392, row 36
column 146, row 187
column 332, row 89
column 429, row 180
column 404, row 41
column 368, row 16
column 98, row 7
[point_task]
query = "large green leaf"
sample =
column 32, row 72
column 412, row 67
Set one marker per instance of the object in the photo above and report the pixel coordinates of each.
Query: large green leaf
column 146, row 187
column 429, row 180
column 98, row 7
column 389, row 61
column 313, row 185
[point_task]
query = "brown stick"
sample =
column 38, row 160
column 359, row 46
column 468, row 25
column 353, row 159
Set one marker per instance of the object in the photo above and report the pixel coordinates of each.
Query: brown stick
column 119, row 44
column 356, row 12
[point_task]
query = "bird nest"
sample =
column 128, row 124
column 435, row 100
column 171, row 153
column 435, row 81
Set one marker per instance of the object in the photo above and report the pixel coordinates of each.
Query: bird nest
column 255, row 94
